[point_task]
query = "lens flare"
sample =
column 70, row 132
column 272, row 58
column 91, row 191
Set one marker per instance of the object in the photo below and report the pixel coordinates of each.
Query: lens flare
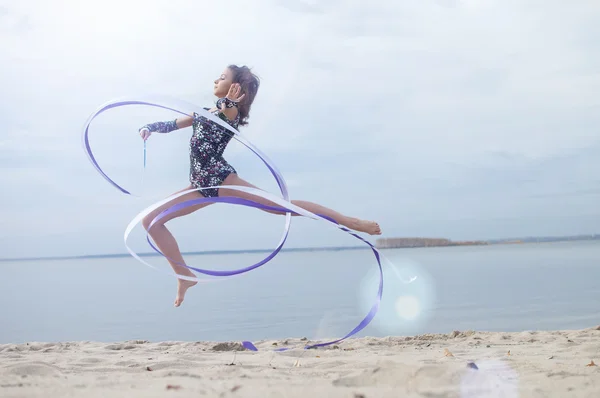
column 491, row 379
column 408, row 298
column 408, row 307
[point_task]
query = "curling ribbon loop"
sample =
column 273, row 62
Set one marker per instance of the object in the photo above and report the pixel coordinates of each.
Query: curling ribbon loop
column 286, row 206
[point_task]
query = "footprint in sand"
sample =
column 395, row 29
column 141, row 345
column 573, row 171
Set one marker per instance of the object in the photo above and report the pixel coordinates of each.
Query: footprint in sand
column 30, row 369
column 119, row 347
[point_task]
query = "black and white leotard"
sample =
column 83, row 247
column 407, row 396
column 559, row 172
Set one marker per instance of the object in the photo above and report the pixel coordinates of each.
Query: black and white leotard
column 208, row 167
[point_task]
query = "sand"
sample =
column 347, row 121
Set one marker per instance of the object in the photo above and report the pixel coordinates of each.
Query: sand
column 524, row 364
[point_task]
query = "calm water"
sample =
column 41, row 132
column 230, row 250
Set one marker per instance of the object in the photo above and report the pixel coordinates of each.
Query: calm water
column 311, row 294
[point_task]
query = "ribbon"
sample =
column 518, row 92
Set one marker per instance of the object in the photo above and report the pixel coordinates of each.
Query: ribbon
column 283, row 202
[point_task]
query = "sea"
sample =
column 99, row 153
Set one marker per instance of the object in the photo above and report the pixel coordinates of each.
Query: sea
column 321, row 294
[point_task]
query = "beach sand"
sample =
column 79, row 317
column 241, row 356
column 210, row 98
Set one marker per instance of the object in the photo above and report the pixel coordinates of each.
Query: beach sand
column 524, row 364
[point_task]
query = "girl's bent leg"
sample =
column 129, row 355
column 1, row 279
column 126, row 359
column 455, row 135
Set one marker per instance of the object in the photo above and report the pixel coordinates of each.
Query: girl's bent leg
column 370, row 227
column 166, row 242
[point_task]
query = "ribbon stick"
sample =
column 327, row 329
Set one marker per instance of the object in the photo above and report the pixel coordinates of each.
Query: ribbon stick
column 282, row 204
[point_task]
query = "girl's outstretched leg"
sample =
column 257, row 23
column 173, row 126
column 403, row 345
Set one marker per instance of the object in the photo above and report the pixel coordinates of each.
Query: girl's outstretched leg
column 370, row 227
column 166, row 242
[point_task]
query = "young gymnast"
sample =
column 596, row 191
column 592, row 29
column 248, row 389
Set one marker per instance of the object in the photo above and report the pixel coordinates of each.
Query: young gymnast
column 235, row 90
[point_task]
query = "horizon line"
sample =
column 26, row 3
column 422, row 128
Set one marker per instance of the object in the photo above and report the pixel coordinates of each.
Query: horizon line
column 528, row 239
column 193, row 253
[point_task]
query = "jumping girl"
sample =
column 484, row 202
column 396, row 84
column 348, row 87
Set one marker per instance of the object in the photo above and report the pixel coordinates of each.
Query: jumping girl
column 235, row 90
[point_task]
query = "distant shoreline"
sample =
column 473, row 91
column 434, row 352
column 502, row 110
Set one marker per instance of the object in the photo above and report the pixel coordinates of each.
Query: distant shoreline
column 402, row 243
column 383, row 243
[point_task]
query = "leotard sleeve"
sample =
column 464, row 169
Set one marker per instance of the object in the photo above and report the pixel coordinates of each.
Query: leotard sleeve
column 161, row 127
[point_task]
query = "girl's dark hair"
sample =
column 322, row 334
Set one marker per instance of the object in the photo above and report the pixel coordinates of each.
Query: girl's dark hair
column 249, row 83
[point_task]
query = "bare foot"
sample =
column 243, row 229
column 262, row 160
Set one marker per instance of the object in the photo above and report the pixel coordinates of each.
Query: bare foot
column 370, row 227
column 182, row 286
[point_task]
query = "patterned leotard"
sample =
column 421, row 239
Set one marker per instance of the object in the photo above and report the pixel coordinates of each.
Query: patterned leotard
column 208, row 167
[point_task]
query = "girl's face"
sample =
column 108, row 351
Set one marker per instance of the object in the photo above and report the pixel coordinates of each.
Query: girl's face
column 223, row 83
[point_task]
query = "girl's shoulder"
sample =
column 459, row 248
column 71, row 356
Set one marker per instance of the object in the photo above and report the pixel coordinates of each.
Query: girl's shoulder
column 215, row 111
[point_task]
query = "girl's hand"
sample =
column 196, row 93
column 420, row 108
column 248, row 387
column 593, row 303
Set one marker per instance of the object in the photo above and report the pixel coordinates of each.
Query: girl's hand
column 145, row 133
column 234, row 93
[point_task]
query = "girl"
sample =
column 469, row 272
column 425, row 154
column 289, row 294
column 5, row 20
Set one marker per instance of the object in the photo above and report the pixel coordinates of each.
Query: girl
column 235, row 89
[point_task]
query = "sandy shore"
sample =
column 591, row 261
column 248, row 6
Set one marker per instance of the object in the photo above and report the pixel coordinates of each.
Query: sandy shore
column 525, row 364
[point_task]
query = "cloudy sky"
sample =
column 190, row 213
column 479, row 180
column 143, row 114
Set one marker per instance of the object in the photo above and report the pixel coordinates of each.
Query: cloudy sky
column 463, row 119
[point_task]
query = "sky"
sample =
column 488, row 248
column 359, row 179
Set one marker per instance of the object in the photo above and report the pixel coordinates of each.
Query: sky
column 460, row 119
